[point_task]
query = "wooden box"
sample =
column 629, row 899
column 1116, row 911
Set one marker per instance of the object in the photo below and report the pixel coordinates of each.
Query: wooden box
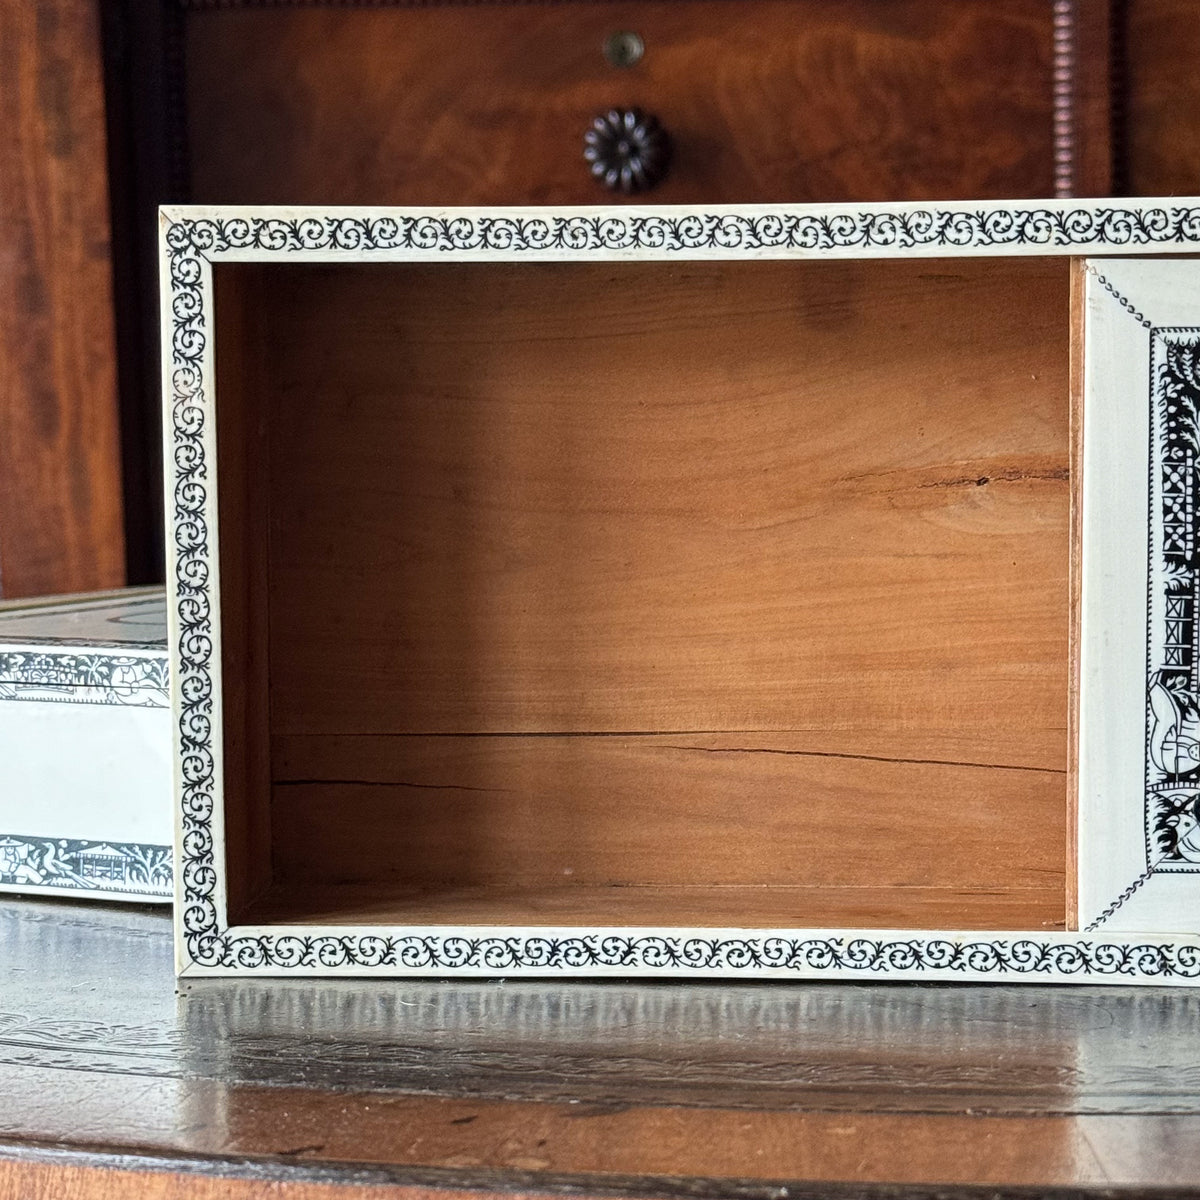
column 85, row 747
column 685, row 591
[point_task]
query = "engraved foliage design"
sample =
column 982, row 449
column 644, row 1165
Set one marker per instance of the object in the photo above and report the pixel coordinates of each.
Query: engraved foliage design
column 193, row 241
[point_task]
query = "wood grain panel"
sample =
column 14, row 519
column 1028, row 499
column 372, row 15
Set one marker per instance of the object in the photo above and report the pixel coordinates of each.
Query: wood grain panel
column 807, row 523
column 652, row 906
column 65, row 1180
column 326, row 1144
column 635, row 498
column 60, row 474
column 696, row 829
column 768, row 100
column 242, row 449
column 1162, row 106
column 679, row 1145
column 713, row 1155
column 1086, row 64
column 1078, row 317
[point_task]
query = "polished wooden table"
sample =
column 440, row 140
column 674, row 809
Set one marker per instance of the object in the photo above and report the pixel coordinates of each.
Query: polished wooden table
column 111, row 1084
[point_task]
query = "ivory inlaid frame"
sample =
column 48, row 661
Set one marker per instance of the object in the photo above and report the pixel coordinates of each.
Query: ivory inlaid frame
column 1135, row 587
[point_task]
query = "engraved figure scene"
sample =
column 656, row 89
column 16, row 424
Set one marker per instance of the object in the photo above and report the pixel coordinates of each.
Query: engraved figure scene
column 84, row 678
column 1173, row 707
column 71, row 863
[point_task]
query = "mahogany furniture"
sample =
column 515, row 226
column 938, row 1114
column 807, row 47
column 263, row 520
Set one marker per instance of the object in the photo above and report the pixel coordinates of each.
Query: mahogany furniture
column 61, row 506
column 940, row 98
column 111, row 1085
column 761, row 101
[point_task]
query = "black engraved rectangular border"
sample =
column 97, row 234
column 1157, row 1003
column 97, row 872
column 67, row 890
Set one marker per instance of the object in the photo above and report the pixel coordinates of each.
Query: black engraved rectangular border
column 192, row 239
column 1172, row 759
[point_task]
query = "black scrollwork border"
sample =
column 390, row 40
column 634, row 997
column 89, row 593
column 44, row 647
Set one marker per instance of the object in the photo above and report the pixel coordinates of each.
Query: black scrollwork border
column 634, row 952
column 192, row 239
column 1000, row 229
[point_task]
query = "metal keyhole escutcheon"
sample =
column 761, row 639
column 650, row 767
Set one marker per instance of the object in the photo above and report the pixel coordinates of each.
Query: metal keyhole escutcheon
column 628, row 150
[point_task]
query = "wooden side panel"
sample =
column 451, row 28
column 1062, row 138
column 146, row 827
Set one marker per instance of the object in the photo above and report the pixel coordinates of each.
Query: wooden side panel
column 591, row 582
column 242, row 449
column 60, row 477
column 710, row 830
column 1078, row 414
column 829, row 498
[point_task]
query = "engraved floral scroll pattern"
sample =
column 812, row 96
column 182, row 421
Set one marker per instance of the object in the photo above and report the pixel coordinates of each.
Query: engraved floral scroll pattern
column 192, row 240
column 900, row 229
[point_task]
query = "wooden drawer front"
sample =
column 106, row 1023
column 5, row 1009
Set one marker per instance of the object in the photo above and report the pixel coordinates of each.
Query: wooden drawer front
column 765, row 100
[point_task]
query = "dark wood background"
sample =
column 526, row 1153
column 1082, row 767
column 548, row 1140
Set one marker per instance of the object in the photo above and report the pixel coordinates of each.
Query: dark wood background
column 114, row 108
column 109, row 1083
column 60, row 482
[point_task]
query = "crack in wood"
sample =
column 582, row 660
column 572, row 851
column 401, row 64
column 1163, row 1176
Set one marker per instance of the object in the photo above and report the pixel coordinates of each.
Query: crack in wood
column 1010, row 476
column 923, row 762
column 399, row 783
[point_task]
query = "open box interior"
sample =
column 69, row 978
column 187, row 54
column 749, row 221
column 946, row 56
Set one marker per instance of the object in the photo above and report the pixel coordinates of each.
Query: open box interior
column 675, row 594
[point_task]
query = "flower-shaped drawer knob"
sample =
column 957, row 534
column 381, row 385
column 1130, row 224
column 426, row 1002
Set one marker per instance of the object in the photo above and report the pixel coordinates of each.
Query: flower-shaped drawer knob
column 629, row 151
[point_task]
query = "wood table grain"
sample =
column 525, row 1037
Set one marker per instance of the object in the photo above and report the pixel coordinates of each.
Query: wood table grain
column 111, row 1084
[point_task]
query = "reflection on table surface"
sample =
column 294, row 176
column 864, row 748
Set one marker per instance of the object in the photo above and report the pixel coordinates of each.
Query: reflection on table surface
column 758, row 1081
